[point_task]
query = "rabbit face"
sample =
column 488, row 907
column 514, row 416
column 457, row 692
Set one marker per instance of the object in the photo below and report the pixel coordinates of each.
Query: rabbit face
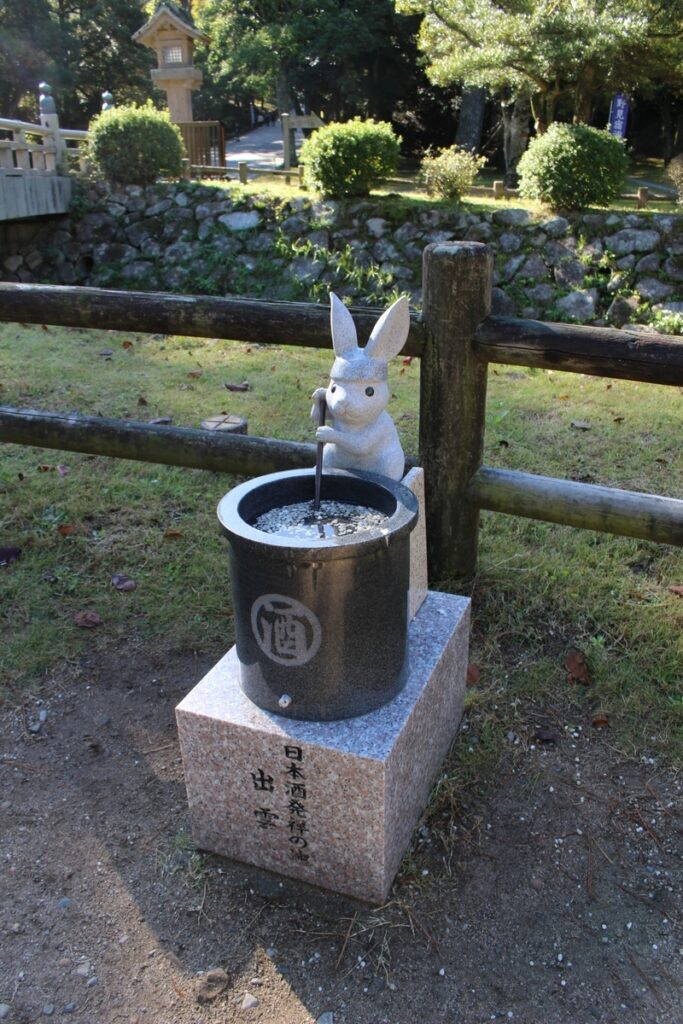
column 356, row 402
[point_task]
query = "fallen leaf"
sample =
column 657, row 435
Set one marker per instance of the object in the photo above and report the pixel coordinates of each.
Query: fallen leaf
column 173, row 534
column 675, row 589
column 577, row 667
column 600, row 722
column 195, row 374
column 563, row 398
column 472, row 675
column 49, row 577
column 160, row 421
column 44, row 327
column 87, row 619
column 123, row 582
column 662, row 461
column 142, row 400
column 618, row 419
column 66, row 529
column 503, row 443
column 244, row 386
column 127, row 344
column 545, row 735
column 581, row 425
column 8, row 555
column 45, row 469
column 407, row 361
column 211, row 986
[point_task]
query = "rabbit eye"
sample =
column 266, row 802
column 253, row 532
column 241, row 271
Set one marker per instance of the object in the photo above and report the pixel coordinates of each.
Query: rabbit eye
column 333, row 388
column 369, row 392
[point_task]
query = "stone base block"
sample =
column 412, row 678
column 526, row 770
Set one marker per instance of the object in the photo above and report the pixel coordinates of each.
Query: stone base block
column 332, row 803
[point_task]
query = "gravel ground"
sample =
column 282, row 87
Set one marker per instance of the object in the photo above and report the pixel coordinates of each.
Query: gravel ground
column 554, row 898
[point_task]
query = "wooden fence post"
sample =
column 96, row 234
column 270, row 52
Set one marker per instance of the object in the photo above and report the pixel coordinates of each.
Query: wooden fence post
column 456, row 280
column 243, row 171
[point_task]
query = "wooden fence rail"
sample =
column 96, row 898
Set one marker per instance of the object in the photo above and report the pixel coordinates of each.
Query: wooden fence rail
column 455, row 338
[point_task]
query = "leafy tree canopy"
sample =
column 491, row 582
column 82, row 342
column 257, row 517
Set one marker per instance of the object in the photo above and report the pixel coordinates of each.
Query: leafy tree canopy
column 81, row 47
column 325, row 55
column 552, row 49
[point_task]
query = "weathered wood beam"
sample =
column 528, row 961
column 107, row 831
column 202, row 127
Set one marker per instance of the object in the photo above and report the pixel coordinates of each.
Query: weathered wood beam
column 588, row 506
column 145, row 442
column 600, row 351
column 457, row 296
column 202, row 316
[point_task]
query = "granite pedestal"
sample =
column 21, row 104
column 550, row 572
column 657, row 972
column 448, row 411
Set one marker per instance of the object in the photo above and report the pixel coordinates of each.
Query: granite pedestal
column 332, row 803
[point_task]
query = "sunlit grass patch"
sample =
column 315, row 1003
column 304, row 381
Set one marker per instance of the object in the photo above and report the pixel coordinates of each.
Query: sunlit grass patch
column 540, row 590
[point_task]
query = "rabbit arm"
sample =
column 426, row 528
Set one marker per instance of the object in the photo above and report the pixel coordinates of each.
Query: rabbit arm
column 357, row 444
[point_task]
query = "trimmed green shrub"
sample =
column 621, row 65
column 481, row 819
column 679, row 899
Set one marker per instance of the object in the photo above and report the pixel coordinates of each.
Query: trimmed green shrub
column 450, row 171
column 135, row 145
column 349, row 159
column 573, row 166
column 674, row 173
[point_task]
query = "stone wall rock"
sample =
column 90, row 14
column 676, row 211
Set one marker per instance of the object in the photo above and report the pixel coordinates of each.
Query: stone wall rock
column 196, row 238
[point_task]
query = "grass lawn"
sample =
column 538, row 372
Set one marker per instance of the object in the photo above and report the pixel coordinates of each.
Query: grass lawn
column 540, row 590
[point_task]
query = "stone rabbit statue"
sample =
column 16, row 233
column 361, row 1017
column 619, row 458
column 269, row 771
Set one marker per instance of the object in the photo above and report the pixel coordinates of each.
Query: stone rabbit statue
column 359, row 433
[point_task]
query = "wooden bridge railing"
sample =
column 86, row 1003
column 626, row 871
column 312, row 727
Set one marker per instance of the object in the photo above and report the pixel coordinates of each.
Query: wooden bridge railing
column 455, row 339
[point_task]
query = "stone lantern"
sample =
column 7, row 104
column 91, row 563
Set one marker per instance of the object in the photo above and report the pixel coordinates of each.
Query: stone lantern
column 173, row 39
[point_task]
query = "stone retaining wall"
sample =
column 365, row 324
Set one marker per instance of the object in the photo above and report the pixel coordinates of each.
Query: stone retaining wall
column 593, row 268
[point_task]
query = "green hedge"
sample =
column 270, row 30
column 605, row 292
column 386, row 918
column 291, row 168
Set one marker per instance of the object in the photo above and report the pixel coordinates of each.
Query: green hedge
column 570, row 167
column 135, row 145
column 349, row 159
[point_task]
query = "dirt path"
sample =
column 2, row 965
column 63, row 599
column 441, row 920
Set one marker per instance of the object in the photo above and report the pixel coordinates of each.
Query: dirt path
column 555, row 899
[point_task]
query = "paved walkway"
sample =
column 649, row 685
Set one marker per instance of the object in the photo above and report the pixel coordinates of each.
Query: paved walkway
column 261, row 147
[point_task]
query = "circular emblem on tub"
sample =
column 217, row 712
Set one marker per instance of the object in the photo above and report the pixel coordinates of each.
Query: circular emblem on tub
column 285, row 629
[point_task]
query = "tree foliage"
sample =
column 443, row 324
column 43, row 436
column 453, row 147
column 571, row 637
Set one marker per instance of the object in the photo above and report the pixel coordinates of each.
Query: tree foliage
column 326, row 56
column 81, row 47
column 552, row 50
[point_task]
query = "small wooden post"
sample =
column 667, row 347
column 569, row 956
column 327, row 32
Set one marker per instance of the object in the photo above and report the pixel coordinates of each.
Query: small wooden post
column 286, row 142
column 499, row 190
column 243, row 172
column 457, row 279
column 186, row 169
column 643, row 196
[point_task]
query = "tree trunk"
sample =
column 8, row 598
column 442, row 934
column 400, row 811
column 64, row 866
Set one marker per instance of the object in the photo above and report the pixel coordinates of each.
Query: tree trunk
column 543, row 111
column 516, row 117
column 583, row 96
column 471, row 120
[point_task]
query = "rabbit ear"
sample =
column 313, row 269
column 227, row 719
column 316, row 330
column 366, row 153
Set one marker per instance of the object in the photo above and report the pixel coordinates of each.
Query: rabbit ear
column 344, row 337
column 390, row 332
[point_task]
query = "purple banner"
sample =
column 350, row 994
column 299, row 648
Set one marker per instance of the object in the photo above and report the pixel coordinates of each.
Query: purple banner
column 618, row 115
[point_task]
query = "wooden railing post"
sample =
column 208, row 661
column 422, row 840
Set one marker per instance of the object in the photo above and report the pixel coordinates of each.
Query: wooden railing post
column 456, row 280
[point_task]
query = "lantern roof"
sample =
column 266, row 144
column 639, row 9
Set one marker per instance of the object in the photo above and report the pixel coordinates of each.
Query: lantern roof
column 167, row 16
